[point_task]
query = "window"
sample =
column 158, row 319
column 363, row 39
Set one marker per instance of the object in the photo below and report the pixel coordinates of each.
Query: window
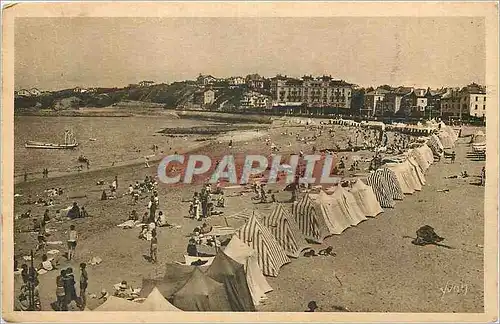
column 476, row 107
column 476, row 98
column 484, row 98
column 484, row 107
column 475, row 115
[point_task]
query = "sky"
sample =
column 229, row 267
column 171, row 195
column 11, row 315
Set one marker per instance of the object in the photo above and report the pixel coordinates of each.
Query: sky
column 61, row 53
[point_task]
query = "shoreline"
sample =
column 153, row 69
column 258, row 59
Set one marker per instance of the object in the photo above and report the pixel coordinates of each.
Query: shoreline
column 193, row 148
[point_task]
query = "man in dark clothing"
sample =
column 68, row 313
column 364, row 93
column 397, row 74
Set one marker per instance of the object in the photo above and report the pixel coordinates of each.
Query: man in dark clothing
column 84, row 278
column 24, row 273
column 191, row 248
column 69, row 287
column 74, row 212
column 60, row 292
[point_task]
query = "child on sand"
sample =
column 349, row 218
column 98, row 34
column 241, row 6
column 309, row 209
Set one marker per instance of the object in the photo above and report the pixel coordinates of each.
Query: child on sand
column 72, row 237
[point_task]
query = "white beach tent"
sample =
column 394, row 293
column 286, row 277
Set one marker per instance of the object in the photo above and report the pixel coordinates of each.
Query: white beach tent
column 366, row 199
column 317, row 218
column 243, row 254
column 345, row 204
column 156, row 302
column 116, row 304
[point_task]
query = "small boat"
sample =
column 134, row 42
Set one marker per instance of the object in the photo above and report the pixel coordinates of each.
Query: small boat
column 69, row 143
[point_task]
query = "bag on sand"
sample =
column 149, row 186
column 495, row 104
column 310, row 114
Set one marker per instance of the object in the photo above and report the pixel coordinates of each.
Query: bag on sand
column 426, row 235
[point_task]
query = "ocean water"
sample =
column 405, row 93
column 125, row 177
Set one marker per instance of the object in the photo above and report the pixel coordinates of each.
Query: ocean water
column 118, row 139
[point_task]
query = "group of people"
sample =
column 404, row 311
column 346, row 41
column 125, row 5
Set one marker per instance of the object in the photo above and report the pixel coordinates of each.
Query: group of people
column 66, row 291
column 29, row 296
column 203, row 203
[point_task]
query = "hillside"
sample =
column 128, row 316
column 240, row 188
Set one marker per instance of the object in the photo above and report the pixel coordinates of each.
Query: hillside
column 178, row 94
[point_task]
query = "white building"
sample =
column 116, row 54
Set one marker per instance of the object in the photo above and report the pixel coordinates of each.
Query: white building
column 236, row 81
column 208, row 97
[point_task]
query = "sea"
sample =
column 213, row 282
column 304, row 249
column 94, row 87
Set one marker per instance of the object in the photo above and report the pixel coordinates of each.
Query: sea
column 118, row 141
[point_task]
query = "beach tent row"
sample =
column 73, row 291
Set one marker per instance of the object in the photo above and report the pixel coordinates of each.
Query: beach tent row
column 321, row 215
column 335, row 209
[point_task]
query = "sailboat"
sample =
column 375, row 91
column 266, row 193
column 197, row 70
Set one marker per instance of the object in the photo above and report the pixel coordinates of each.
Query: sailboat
column 69, row 143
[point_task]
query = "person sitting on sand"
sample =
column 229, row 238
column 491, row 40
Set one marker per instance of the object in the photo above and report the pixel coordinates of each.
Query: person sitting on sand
column 145, row 218
column 205, row 228
column 74, row 212
column 312, row 306
column 83, row 213
column 47, row 264
column 26, row 214
column 133, row 216
column 104, row 196
column 220, row 200
column 130, row 190
column 327, row 251
column 161, row 220
column 112, row 195
column 191, row 248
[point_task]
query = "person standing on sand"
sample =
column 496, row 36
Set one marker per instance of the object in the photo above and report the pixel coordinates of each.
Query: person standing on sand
column 153, row 252
column 84, row 278
column 69, row 287
column 152, row 210
column 60, row 292
column 72, row 237
column 25, row 176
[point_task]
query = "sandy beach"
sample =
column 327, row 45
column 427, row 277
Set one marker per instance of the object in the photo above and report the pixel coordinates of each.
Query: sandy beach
column 380, row 270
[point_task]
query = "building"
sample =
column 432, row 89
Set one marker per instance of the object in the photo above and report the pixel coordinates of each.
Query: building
column 35, row 92
column 208, row 97
column 473, row 101
column 23, row 93
column 391, row 104
column 373, row 102
column 433, row 107
column 255, row 100
column 413, row 104
column 236, row 81
column 205, row 80
column 255, row 81
column 450, row 102
column 146, row 83
column 319, row 95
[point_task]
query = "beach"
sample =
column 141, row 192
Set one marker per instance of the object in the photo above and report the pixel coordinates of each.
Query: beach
column 379, row 269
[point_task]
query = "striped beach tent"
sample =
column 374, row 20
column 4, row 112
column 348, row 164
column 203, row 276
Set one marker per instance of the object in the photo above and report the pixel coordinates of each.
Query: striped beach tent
column 381, row 189
column 366, row 199
column 286, row 231
column 392, row 183
column 245, row 255
column 271, row 255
